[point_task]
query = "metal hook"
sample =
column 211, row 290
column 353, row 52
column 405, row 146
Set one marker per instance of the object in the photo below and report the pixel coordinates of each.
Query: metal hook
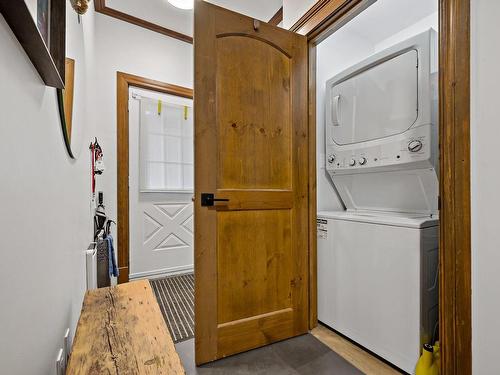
column 256, row 25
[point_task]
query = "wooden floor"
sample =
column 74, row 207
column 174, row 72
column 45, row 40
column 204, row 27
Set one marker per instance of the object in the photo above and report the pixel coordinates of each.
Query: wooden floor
column 356, row 356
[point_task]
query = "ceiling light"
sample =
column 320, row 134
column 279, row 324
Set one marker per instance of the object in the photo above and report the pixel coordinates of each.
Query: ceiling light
column 182, row 4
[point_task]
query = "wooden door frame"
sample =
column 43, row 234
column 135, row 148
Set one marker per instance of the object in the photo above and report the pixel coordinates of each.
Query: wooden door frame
column 455, row 318
column 123, row 82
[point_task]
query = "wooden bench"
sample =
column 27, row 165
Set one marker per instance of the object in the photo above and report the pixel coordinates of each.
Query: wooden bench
column 121, row 331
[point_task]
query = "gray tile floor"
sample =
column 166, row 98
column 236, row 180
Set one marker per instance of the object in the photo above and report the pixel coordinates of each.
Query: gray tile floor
column 302, row 355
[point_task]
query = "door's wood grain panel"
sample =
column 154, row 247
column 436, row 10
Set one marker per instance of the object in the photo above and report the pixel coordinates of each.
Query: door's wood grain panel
column 253, row 111
column 255, row 199
column 254, row 263
column 249, row 333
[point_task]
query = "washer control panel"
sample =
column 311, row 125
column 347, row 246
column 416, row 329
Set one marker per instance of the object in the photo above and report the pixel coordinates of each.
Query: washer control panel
column 409, row 147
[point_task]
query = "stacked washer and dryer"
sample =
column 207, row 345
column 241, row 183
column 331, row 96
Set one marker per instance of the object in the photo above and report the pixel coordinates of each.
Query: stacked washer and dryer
column 378, row 259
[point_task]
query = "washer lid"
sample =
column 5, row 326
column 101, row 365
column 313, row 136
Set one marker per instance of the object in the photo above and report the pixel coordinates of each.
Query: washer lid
column 417, row 221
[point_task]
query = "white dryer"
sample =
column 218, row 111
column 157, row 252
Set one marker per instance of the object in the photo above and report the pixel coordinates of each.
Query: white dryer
column 378, row 259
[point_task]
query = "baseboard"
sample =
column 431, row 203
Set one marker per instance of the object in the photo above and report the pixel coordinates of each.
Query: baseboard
column 161, row 272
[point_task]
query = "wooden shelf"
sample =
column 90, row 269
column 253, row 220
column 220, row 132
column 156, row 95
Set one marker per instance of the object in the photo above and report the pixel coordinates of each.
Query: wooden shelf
column 48, row 61
column 121, row 330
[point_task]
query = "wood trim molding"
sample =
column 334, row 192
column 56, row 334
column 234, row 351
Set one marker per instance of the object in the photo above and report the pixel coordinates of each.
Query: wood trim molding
column 123, row 82
column 277, row 18
column 323, row 12
column 455, row 222
column 313, row 237
column 455, row 284
column 101, row 7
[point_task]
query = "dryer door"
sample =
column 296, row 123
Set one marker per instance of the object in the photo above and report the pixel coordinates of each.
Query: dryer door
column 375, row 102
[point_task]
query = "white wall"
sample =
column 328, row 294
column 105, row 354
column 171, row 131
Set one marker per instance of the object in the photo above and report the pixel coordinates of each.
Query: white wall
column 260, row 9
column 123, row 47
column 160, row 12
column 294, row 9
column 45, row 219
column 44, row 207
column 416, row 28
column 485, row 184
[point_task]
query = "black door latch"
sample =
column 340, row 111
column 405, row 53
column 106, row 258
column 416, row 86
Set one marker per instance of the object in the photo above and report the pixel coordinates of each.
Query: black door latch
column 208, row 199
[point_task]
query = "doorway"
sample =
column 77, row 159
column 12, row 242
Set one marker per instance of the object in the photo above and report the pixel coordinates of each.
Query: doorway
column 455, row 200
column 377, row 179
column 161, row 174
column 319, row 23
column 158, row 201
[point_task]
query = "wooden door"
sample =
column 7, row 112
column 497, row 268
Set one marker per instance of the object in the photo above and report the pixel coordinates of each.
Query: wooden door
column 251, row 148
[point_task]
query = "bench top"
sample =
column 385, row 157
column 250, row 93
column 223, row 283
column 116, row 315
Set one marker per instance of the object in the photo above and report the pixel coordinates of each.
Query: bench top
column 121, row 331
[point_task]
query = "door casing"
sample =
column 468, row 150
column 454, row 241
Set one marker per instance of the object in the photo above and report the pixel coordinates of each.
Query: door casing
column 123, row 82
column 455, row 316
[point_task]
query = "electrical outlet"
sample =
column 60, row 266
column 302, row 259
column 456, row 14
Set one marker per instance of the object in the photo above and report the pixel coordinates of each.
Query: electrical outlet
column 67, row 345
column 60, row 363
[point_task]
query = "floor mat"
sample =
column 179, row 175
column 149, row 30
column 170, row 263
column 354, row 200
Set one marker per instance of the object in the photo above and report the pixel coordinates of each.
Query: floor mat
column 175, row 295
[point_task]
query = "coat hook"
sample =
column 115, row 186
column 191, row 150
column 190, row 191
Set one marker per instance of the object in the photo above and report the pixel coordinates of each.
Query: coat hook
column 256, row 25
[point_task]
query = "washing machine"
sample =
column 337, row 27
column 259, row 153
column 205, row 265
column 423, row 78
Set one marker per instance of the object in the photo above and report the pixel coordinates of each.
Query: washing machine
column 378, row 258
column 378, row 281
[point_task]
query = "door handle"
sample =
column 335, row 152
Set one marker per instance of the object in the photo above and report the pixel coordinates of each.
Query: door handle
column 208, row 199
column 336, row 110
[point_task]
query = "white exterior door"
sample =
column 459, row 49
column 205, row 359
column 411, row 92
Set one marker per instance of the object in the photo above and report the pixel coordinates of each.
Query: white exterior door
column 160, row 184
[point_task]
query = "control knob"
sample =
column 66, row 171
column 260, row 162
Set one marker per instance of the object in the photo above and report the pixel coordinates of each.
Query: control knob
column 415, row 145
column 362, row 161
column 352, row 163
column 331, row 158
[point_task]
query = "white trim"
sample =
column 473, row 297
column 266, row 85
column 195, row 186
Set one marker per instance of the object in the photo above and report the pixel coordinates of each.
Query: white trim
column 161, row 272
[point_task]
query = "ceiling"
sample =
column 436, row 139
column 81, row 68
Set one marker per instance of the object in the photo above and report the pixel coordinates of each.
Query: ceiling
column 162, row 13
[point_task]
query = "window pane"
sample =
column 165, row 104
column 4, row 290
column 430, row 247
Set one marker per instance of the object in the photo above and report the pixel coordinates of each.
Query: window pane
column 174, row 176
column 171, row 117
column 188, row 177
column 187, row 150
column 166, row 146
column 173, row 152
column 154, row 147
column 155, row 176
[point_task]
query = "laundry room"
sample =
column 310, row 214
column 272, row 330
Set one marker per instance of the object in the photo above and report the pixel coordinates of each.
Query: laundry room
column 377, row 181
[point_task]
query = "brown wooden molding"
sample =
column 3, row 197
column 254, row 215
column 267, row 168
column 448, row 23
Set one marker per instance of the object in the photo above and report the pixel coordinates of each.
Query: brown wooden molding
column 328, row 12
column 101, row 7
column 317, row 14
column 313, row 201
column 277, row 18
column 455, row 237
column 123, row 82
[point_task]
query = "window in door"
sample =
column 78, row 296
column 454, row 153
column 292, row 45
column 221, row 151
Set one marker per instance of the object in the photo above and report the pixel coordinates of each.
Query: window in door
column 166, row 146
